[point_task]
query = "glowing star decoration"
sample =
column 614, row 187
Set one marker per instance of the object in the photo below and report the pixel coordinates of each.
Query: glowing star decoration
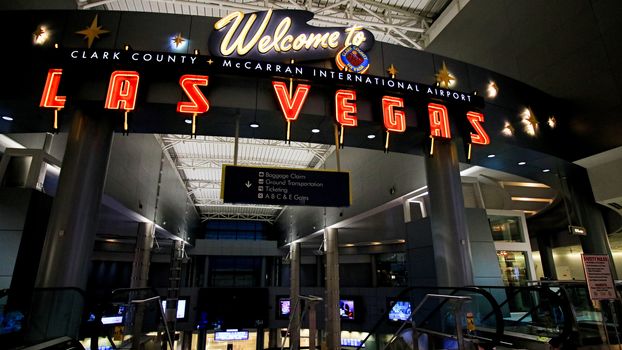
column 40, row 36
column 178, row 41
column 122, row 91
column 492, row 90
column 50, row 97
column 345, row 110
column 291, row 102
column 552, row 122
column 198, row 102
column 529, row 121
column 394, row 119
column 92, row 32
column 444, row 78
column 392, row 71
column 508, row 129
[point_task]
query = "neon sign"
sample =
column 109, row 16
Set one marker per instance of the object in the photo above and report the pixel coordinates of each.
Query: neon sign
column 282, row 34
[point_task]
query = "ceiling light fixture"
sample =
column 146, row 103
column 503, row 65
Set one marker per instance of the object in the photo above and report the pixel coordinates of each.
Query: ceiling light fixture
column 546, row 170
column 491, row 156
column 254, row 125
column 371, row 136
column 315, row 131
column 522, row 163
column 7, row 118
column 188, row 121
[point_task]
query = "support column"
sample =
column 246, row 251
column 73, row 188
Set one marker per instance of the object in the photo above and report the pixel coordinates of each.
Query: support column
column 174, row 277
column 333, row 325
column 546, row 255
column 450, row 238
column 294, row 296
column 70, row 237
column 140, row 275
column 589, row 216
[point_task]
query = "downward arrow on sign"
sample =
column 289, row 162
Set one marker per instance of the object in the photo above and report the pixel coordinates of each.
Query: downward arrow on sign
column 248, row 184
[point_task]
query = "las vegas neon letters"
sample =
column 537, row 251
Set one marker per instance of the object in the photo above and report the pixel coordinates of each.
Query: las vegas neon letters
column 123, row 89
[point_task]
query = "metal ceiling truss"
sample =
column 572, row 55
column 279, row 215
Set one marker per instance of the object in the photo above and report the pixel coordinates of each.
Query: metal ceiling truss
column 402, row 25
column 199, row 162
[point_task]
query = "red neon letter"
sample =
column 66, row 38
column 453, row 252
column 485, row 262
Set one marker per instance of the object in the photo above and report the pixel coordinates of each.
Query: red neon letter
column 291, row 106
column 480, row 137
column 50, row 98
column 345, row 107
column 122, row 90
column 439, row 121
column 198, row 103
column 394, row 120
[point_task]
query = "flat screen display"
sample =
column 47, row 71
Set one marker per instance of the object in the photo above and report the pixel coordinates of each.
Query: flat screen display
column 284, row 307
column 346, row 309
column 181, row 307
column 400, row 310
column 231, row 334
column 116, row 317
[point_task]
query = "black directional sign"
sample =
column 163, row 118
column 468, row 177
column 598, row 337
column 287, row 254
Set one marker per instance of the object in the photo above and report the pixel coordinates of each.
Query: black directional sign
column 255, row 185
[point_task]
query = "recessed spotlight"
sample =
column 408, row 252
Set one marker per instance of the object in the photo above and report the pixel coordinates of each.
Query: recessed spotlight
column 7, row 118
column 315, row 131
column 522, row 163
column 492, row 89
column 491, row 156
column 371, row 136
column 546, row 170
column 254, row 125
column 188, row 121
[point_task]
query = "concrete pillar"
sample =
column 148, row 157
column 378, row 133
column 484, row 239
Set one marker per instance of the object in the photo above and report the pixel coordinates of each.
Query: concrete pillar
column 588, row 215
column 312, row 314
column 70, row 236
column 177, row 251
column 450, row 238
column 333, row 320
column 294, row 296
column 546, row 255
column 140, row 275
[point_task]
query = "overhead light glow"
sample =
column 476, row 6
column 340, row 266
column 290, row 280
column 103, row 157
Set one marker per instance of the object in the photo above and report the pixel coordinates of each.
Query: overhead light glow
column 522, row 163
column 188, row 121
column 492, row 89
column 546, row 170
column 491, row 156
column 552, row 122
column 371, row 136
column 254, row 125
column 532, row 199
column 315, row 131
column 7, row 118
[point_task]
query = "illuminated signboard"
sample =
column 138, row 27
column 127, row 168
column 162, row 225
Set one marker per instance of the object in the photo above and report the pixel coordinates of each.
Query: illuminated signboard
column 280, row 35
column 290, row 97
column 231, row 334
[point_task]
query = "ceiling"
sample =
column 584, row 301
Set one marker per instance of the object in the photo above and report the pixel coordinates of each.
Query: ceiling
column 401, row 22
column 199, row 162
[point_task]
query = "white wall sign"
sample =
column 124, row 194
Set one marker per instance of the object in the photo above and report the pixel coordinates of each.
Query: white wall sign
column 598, row 276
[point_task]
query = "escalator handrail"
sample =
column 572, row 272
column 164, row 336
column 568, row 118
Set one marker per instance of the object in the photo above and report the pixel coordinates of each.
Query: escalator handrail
column 564, row 304
column 496, row 339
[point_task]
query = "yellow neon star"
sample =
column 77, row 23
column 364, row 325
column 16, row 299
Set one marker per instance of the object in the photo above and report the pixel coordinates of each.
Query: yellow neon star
column 443, row 77
column 392, row 70
column 178, row 40
column 91, row 33
column 210, row 61
column 532, row 118
column 38, row 33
